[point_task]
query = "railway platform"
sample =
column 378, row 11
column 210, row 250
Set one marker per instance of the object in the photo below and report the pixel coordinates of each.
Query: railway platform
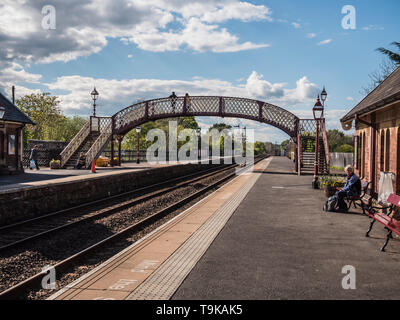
column 47, row 176
column 261, row 236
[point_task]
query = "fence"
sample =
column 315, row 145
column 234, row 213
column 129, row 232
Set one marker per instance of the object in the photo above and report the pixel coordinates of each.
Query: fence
column 44, row 157
column 48, row 150
column 127, row 155
column 341, row 159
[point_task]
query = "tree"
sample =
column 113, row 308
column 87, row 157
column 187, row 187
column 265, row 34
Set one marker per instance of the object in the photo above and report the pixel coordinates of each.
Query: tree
column 385, row 68
column 259, row 148
column 130, row 139
column 220, row 127
column 70, row 127
column 284, row 144
column 395, row 57
column 376, row 77
column 345, row 148
column 336, row 139
column 51, row 124
column 44, row 111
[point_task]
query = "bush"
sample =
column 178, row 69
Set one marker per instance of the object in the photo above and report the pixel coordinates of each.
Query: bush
column 345, row 148
column 332, row 181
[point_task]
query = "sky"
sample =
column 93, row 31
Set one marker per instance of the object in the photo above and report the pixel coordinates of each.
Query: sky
column 278, row 51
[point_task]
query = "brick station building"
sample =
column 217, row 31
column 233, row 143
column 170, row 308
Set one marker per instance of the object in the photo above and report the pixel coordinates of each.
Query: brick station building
column 377, row 135
column 11, row 136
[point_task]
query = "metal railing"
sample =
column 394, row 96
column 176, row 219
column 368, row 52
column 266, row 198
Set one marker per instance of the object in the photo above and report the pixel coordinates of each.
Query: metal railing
column 101, row 142
column 75, row 143
column 326, row 145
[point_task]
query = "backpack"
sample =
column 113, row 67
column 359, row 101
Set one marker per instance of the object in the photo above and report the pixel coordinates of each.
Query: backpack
column 330, row 204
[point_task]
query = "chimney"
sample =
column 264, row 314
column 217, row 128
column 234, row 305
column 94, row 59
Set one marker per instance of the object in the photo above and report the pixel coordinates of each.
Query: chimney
column 13, row 94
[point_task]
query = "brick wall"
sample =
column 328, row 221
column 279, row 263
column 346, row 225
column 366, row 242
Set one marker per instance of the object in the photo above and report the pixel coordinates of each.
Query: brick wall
column 387, row 120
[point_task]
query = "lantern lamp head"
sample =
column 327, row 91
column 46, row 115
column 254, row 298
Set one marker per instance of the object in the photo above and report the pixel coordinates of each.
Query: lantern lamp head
column 324, row 95
column 318, row 110
column 2, row 112
column 94, row 94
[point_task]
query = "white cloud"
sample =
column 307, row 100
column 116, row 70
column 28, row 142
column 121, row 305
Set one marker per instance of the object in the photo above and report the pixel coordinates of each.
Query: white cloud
column 305, row 91
column 257, row 87
column 296, row 25
column 323, row 42
column 350, row 98
column 116, row 94
column 196, row 35
column 373, row 27
column 12, row 74
column 311, row 35
column 83, row 29
column 243, row 11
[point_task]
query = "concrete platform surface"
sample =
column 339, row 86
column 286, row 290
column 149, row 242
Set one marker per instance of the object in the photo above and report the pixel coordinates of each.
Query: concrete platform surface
column 279, row 244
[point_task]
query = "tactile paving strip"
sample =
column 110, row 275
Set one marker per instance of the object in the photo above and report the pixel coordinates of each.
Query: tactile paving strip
column 163, row 282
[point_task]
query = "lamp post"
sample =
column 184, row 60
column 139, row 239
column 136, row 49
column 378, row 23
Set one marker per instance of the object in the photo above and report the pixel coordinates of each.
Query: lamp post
column 244, row 141
column 233, row 143
column 138, row 140
column 198, row 130
column 318, row 112
column 94, row 95
column 2, row 111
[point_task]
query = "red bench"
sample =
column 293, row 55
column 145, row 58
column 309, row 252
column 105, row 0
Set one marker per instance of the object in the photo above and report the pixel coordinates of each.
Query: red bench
column 387, row 219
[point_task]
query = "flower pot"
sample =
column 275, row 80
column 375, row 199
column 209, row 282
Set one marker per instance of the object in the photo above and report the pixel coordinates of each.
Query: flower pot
column 55, row 165
column 329, row 191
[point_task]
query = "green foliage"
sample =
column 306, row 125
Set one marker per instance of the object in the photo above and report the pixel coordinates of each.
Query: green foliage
column 337, row 139
column 284, row 144
column 345, row 148
column 220, row 126
column 51, row 124
column 394, row 56
column 259, row 148
column 332, row 181
column 130, row 139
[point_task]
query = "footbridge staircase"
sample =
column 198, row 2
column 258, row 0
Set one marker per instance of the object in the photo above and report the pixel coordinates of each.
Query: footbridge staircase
column 92, row 139
column 306, row 143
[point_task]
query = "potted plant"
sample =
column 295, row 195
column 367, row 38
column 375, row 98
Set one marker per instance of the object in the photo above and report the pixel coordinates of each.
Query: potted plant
column 55, row 164
column 330, row 184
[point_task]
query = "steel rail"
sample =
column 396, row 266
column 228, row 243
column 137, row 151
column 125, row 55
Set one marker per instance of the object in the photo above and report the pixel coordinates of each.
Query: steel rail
column 30, row 283
column 100, row 201
column 107, row 212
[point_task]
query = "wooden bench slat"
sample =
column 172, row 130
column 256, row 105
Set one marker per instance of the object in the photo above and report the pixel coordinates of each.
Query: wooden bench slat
column 394, row 199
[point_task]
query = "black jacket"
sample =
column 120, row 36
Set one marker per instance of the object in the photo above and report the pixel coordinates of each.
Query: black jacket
column 34, row 154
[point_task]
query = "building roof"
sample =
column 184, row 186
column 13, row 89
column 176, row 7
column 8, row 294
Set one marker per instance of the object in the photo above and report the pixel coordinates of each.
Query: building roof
column 13, row 113
column 388, row 91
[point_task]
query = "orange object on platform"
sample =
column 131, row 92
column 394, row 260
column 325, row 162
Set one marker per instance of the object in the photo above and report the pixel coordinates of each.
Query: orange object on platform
column 93, row 167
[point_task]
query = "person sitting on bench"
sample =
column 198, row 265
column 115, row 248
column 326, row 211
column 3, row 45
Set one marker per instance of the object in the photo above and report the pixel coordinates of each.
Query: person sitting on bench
column 81, row 161
column 351, row 188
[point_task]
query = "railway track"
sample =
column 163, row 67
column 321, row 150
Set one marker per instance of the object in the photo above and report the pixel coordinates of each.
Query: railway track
column 19, row 233
column 33, row 283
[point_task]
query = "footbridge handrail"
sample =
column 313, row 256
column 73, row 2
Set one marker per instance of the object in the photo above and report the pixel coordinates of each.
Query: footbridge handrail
column 220, row 106
column 101, row 142
column 74, row 144
column 326, row 145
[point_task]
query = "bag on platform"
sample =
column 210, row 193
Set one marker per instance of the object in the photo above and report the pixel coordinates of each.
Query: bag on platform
column 330, row 204
column 32, row 164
